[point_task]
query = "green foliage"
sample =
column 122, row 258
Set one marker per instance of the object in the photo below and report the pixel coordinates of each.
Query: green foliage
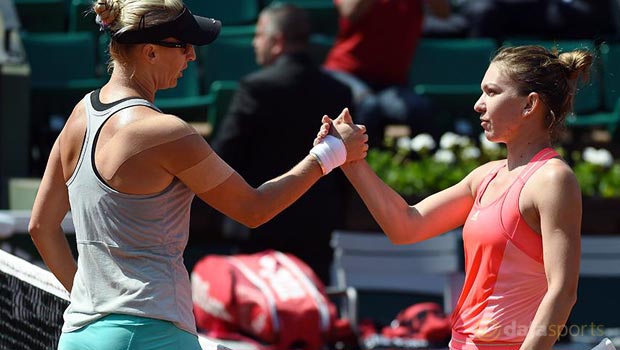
column 417, row 167
column 597, row 172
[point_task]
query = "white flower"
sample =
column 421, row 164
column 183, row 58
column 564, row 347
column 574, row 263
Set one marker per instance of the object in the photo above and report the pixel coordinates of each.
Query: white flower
column 464, row 141
column 471, row 152
column 422, row 141
column 589, row 154
column 450, row 140
column 488, row 145
column 600, row 157
column 403, row 143
column 444, row 156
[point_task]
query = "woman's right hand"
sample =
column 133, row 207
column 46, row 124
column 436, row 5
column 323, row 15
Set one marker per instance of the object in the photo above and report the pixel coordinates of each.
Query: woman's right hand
column 353, row 135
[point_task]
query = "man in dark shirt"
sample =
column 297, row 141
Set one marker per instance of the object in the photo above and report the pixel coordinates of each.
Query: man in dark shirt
column 273, row 114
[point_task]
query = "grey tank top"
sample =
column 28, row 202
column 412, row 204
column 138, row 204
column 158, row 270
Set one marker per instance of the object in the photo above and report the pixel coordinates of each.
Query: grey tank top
column 130, row 246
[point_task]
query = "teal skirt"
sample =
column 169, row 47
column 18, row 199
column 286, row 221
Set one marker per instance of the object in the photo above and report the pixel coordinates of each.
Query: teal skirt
column 126, row 332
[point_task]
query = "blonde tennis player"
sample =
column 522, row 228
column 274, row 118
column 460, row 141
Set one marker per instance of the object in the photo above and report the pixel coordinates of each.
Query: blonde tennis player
column 129, row 172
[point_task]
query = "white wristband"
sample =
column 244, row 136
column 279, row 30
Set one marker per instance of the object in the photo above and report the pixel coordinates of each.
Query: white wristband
column 330, row 153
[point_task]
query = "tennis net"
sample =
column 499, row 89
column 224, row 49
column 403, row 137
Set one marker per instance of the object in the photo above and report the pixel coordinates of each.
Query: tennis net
column 32, row 302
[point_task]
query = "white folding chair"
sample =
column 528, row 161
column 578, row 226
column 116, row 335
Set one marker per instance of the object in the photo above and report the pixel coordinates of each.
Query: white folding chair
column 369, row 261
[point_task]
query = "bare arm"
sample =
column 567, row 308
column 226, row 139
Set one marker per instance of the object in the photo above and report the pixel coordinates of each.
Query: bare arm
column 353, row 10
column 559, row 207
column 405, row 224
column 255, row 206
column 50, row 207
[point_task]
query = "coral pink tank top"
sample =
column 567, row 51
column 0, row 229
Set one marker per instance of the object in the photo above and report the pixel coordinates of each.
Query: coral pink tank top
column 504, row 271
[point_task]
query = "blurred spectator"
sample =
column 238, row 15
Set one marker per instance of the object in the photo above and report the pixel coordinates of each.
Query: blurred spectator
column 273, row 114
column 372, row 54
column 454, row 26
column 582, row 19
column 544, row 19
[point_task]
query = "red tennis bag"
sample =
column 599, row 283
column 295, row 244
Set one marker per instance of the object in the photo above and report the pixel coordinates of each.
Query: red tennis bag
column 419, row 326
column 271, row 297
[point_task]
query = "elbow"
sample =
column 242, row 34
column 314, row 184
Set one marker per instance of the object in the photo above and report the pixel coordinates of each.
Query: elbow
column 402, row 234
column 571, row 297
column 34, row 228
column 253, row 223
column 570, row 293
column 254, row 220
column 396, row 240
column 249, row 212
column 257, row 211
column 566, row 295
column 249, row 222
column 399, row 237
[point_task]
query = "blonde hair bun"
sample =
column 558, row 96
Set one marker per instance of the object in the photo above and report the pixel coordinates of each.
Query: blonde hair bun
column 107, row 12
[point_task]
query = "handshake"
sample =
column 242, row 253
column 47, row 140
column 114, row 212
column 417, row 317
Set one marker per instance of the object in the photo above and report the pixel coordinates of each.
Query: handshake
column 339, row 141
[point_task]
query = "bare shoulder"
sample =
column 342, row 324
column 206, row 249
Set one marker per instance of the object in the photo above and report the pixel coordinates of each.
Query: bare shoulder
column 72, row 134
column 71, row 138
column 551, row 201
column 76, row 123
column 476, row 176
column 168, row 139
column 555, row 174
column 143, row 128
column 486, row 168
column 553, row 182
column 166, row 127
